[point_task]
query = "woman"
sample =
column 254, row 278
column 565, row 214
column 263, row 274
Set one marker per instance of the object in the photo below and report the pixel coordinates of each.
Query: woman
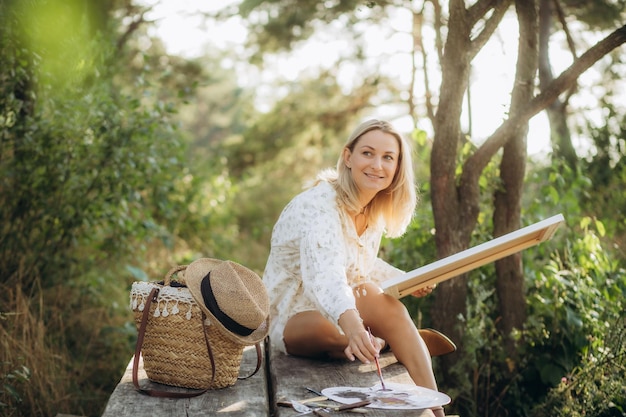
column 323, row 271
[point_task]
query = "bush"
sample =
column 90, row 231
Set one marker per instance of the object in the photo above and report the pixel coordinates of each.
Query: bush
column 597, row 387
column 87, row 178
column 575, row 323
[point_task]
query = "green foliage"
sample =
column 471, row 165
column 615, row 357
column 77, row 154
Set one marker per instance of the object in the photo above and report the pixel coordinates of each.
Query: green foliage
column 597, row 387
column 574, row 299
column 481, row 373
column 89, row 174
column 575, row 292
column 604, row 14
column 573, row 302
column 278, row 25
column 607, row 171
column 284, row 149
column 86, row 167
column 10, row 382
column 579, row 316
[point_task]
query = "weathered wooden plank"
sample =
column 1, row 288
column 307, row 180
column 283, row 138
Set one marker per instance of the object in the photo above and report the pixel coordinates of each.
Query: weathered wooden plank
column 247, row 398
column 290, row 376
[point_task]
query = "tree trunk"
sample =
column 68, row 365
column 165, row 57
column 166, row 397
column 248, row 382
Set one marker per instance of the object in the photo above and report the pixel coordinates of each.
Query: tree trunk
column 507, row 202
column 560, row 137
column 455, row 207
column 450, row 295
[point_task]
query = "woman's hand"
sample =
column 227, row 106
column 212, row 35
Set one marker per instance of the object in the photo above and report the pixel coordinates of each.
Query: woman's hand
column 422, row 292
column 360, row 345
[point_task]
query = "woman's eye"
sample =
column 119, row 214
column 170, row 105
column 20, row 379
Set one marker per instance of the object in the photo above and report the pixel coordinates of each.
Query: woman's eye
column 389, row 157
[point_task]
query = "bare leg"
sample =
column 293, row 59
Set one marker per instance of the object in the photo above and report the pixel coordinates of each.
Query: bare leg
column 310, row 334
column 388, row 318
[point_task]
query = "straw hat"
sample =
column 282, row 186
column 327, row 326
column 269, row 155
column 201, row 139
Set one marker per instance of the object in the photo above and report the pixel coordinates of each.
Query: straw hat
column 232, row 296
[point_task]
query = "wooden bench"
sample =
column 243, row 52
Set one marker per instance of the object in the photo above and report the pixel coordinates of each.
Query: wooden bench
column 282, row 377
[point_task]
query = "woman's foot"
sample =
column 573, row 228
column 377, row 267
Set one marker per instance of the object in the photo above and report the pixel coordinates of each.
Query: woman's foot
column 383, row 346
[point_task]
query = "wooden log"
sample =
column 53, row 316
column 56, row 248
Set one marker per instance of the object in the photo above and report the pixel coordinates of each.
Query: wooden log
column 247, row 398
column 291, row 376
column 282, row 377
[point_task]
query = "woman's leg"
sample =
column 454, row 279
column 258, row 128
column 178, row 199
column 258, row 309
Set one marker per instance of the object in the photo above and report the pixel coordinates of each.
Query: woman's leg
column 388, row 318
column 310, row 334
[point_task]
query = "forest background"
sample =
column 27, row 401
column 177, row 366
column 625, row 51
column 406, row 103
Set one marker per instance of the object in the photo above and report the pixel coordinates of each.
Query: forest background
column 119, row 159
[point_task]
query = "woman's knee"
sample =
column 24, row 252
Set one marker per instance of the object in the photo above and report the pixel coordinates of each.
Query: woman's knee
column 310, row 332
column 382, row 308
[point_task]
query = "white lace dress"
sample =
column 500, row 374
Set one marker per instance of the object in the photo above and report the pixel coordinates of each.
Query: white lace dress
column 316, row 258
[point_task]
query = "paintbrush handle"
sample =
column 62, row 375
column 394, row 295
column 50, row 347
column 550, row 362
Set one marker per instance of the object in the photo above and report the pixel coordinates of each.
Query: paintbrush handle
column 380, row 371
column 353, row 405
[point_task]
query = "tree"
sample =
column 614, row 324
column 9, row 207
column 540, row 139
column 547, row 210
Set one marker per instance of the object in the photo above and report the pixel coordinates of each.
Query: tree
column 455, row 196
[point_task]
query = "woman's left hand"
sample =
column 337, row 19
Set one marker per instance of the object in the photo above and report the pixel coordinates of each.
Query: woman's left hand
column 422, row 292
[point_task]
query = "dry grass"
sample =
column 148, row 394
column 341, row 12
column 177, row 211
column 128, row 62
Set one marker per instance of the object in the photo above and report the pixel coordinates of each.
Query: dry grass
column 62, row 352
column 34, row 376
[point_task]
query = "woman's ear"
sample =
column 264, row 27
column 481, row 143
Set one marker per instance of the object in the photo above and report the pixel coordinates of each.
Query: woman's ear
column 346, row 157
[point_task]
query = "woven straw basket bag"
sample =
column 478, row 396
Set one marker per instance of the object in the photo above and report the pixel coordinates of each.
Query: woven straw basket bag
column 175, row 349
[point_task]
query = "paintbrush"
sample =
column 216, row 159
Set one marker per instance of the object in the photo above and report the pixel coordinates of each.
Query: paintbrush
column 380, row 372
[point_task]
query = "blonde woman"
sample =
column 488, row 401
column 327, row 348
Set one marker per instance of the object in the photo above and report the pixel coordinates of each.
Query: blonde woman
column 323, row 271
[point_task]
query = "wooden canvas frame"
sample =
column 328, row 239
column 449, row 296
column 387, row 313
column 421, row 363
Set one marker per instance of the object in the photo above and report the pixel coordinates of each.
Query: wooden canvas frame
column 472, row 258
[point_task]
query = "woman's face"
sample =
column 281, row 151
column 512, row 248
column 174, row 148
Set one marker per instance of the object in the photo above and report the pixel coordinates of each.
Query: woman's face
column 373, row 162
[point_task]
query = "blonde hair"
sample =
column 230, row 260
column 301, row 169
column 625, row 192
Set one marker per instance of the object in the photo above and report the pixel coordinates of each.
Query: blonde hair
column 395, row 205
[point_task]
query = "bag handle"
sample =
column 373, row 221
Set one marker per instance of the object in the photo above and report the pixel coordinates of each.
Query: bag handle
column 168, row 277
column 259, row 360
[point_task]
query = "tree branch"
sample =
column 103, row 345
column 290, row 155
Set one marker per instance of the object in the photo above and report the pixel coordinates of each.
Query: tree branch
column 483, row 155
column 570, row 75
column 570, row 43
column 478, row 10
column 490, row 26
column 132, row 27
column 568, row 35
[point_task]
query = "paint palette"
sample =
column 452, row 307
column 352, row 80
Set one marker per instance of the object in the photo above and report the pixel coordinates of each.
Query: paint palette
column 395, row 397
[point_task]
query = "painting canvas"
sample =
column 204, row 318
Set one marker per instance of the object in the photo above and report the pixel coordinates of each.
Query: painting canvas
column 472, row 258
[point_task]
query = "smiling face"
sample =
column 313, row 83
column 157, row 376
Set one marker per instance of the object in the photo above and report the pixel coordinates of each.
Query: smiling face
column 373, row 162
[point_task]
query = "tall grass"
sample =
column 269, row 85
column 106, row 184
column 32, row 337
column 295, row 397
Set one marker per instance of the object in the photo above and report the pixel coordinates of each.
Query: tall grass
column 63, row 349
column 34, row 373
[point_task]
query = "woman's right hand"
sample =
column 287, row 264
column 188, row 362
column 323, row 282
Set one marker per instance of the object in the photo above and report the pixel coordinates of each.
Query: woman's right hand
column 360, row 343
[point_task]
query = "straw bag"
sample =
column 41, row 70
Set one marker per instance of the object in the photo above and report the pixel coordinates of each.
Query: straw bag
column 191, row 332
